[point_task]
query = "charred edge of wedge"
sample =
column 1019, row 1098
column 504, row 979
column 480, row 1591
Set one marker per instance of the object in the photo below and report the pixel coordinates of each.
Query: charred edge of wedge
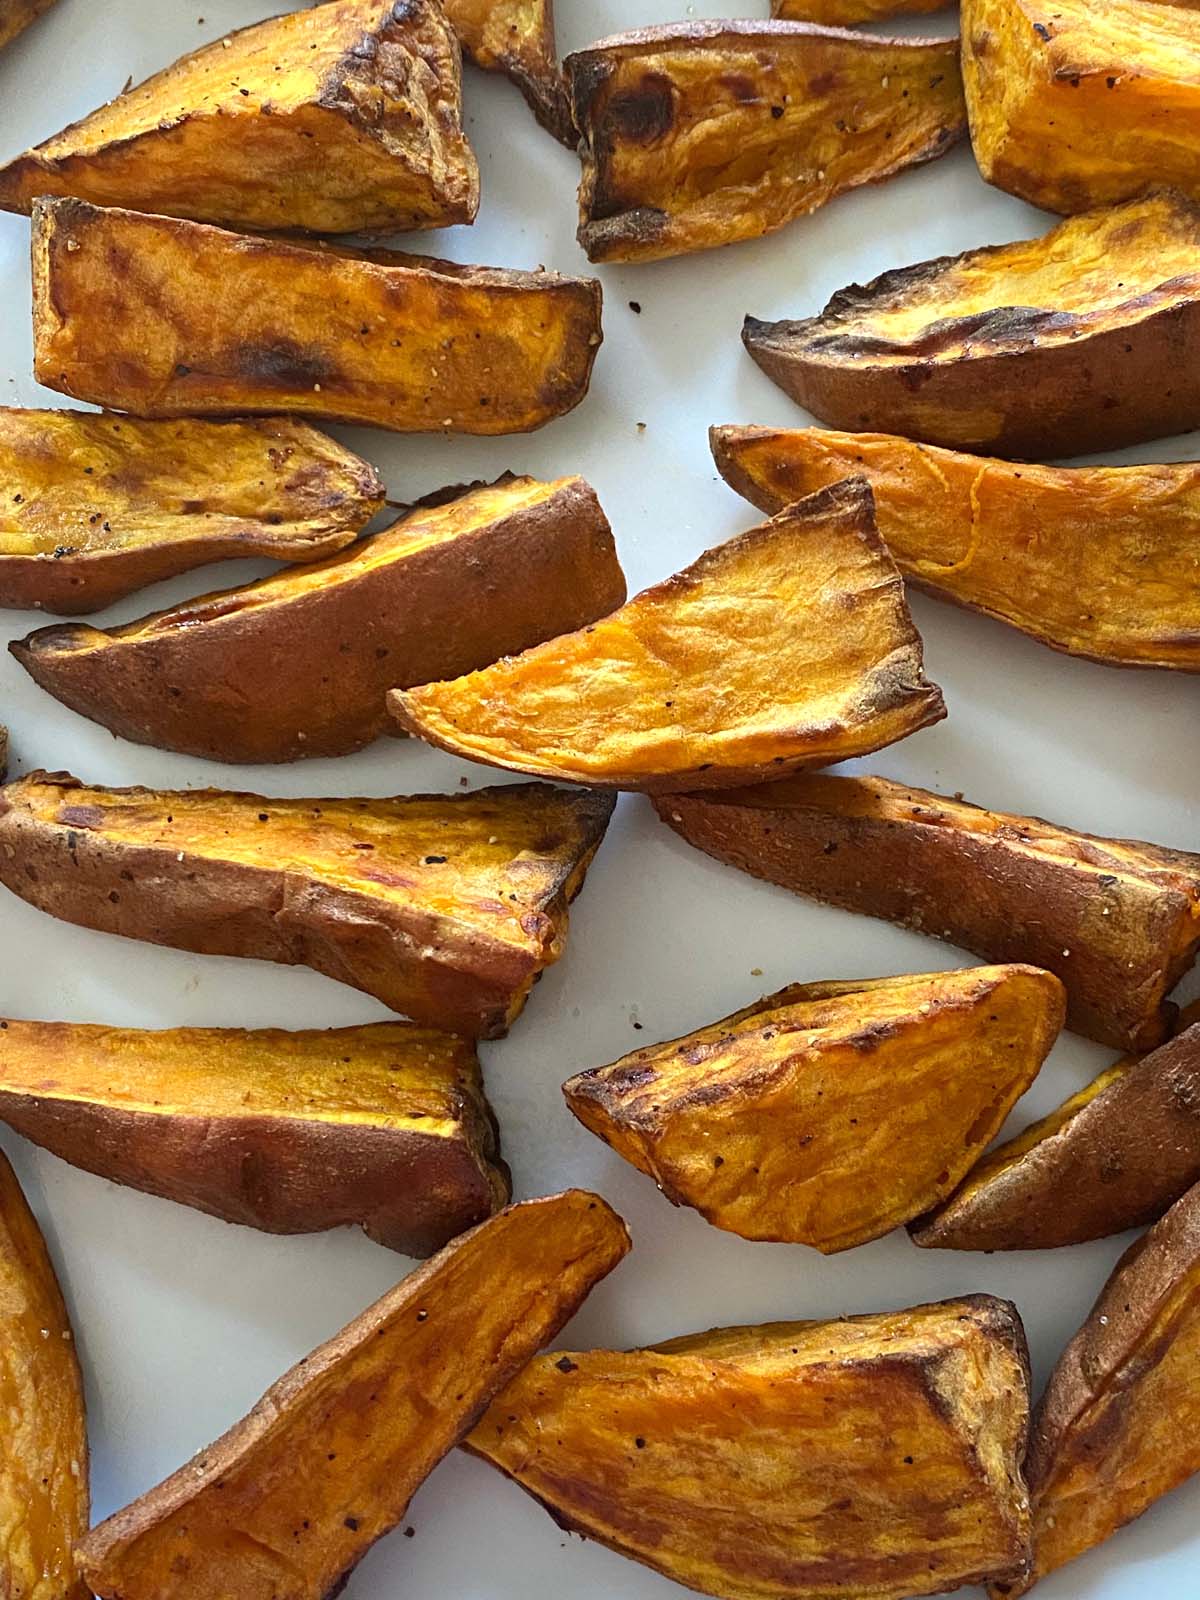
column 529, row 60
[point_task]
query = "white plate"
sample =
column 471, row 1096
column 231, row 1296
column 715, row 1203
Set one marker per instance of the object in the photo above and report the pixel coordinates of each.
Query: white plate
column 182, row 1320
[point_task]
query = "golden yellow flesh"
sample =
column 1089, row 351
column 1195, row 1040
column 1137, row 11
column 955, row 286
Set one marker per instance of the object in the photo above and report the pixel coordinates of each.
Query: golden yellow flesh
column 876, row 1457
column 516, row 37
column 789, row 646
column 1097, row 561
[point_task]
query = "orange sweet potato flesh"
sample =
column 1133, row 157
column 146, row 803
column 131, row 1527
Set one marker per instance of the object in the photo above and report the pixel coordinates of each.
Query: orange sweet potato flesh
column 385, row 1126
column 705, row 133
column 44, row 1450
column 299, row 664
column 286, row 1504
column 869, row 1458
column 1074, row 105
column 98, row 506
column 1085, row 339
column 1118, row 920
column 789, row 646
column 828, row 1114
column 342, row 118
column 445, row 907
column 199, row 321
column 516, row 37
column 1119, row 1423
column 1114, row 1156
column 845, row 13
column 1098, row 562
column 16, row 15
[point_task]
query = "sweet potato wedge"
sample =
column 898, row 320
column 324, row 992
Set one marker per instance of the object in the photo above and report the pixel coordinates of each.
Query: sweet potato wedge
column 703, row 133
column 1098, row 562
column 16, row 15
column 43, row 1450
column 829, row 1113
column 385, row 1126
column 1119, row 1423
column 1074, row 105
column 1085, row 339
column 789, row 646
column 285, row 1505
column 96, row 507
column 876, row 1456
column 516, row 37
column 445, row 907
column 200, row 321
column 846, row 13
column 299, row 664
column 1114, row 1156
column 339, row 119
column 1118, row 920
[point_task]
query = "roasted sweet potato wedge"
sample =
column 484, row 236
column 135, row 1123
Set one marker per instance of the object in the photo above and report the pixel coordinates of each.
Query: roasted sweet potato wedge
column 200, row 321
column 873, row 1457
column 1114, row 1156
column 96, row 507
column 446, row 907
column 286, row 1504
column 516, row 37
column 829, row 1113
column 385, row 1126
column 1118, row 920
column 1119, row 1423
column 845, row 13
column 1098, row 562
column 789, row 646
column 1085, row 339
column 299, row 664
column 43, row 1449
column 343, row 118
column 16, row 15
column 1074, row 105
column 703, row 133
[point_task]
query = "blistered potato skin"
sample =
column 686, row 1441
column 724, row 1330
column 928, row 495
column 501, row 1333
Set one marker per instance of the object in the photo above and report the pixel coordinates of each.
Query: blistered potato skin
column 342, row 118
column 286, row 1504
column 516, row 37
column 385, row 1126
column 1119, row 1423
column 706, row 133
column 300, row 663
column 1074, row 105
column 846, row 13
column 199, row 321
column 1114, row 1156
column 710, row 1458
column 1098, row 562
column 1047, row 348
column 44, row 1452
column 444, row 907
column 788, row 646
column 16, row 15
column 828, row 1114
column 100, row 506
column 1117, row 920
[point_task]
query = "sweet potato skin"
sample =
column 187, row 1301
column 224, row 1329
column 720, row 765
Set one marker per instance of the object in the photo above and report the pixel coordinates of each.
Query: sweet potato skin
column 286, row 1504
column 342, row 118
column 1009, row 378
column 1074, row 106
column 16, row 15
column 846, row 13
column 516, row 37
column 44, row 1451
column 1119, row 1423
column 385, row 1126
column 299, row 664
column 444, row 907
column 1115, row 1156
column 705, row 133
column 709, row 1458
column 694, row 708
column 203, row 322
column 757, row 1121
column 1008, row 888
column 99, row 506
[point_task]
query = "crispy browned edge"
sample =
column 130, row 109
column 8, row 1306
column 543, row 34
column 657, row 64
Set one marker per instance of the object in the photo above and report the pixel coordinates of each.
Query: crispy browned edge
column 176, row 1491
column 545, row 93
column 1112, row 378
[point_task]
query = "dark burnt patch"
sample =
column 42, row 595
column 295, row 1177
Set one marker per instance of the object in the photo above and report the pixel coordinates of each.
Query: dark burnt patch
column 743, row 89
column 641, row 115
column 283, row 363
column 81, row 816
